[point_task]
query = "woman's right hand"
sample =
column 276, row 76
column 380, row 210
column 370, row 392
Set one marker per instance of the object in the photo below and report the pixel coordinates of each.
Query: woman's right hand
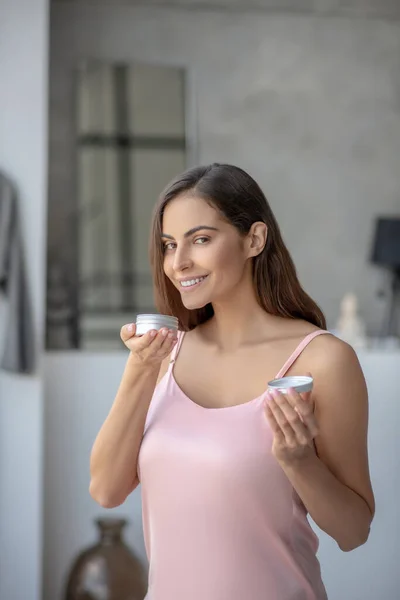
column 150, row 348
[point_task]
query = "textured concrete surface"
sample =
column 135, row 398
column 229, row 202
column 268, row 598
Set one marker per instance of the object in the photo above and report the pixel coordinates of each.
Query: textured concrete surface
column 308, row 105
column 362, row 8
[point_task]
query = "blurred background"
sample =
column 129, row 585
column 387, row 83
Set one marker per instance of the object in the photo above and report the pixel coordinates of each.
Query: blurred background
column 101, row 104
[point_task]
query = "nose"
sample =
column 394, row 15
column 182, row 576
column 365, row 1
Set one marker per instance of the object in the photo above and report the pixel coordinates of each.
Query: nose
column 182, row 259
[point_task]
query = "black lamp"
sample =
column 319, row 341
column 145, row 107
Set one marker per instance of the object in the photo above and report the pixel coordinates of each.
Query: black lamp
column 386, row 252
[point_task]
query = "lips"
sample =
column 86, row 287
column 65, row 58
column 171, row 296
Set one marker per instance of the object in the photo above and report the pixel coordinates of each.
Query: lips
column 190, row 284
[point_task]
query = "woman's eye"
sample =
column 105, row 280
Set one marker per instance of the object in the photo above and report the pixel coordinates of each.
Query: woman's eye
column 172, row 245
column 169, row 246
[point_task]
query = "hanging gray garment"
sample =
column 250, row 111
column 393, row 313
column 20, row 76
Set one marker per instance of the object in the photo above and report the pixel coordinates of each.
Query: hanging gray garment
column 18, row 343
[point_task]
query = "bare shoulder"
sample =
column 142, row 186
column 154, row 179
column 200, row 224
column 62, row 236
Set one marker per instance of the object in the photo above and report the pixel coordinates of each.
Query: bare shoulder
column 328, row 352
column 336, row 370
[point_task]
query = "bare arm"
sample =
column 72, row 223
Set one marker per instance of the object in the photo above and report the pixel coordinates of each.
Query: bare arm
column 113, row 461
column 334, row 483
column 341, row 398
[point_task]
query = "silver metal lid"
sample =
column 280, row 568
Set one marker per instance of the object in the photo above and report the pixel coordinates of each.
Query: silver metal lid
column 156, row 317
column 301, row 383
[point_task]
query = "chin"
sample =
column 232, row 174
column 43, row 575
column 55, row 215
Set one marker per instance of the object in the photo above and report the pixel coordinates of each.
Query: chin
column 193, row 303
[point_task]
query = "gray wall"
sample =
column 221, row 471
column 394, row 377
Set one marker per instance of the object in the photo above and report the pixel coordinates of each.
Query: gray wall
column 23, row 156
column 308, row 104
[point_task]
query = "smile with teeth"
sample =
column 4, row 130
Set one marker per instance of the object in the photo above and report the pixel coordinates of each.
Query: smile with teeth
column 191, row 283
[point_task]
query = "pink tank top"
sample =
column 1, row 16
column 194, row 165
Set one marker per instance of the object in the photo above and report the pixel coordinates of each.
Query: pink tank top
column 221, row 520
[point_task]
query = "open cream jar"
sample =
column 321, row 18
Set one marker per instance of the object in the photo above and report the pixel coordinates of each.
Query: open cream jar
column 145, row 323
column 300, row 383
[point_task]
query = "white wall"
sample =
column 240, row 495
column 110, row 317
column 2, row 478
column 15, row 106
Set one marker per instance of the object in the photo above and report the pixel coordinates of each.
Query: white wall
column 23, row 156
column 371, row 572
column 79, row 390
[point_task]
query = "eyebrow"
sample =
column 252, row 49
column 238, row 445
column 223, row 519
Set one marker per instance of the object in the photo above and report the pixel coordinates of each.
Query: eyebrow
column 190, row 232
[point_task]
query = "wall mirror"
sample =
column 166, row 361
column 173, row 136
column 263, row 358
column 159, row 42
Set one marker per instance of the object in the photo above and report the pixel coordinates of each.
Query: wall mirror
column 130, row 139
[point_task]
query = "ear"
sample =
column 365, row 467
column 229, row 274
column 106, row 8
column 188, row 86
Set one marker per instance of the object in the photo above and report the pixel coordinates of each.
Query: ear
column 257, row 238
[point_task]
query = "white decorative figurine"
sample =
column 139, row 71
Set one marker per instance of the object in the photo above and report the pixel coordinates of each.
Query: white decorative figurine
column 350, row 327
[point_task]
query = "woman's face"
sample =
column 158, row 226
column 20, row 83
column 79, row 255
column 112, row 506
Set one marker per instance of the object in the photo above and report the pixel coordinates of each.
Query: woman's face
column 204, row 255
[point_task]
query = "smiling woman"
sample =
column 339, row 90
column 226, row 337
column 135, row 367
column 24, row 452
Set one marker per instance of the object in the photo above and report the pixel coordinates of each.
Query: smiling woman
column 190, row 281
column 226, row 202
column 229, row 472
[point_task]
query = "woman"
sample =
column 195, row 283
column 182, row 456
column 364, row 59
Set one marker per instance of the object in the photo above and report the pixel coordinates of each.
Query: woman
column 229, row 471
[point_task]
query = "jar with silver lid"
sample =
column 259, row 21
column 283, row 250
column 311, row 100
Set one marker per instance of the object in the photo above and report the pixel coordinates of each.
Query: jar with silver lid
column 300, row 383
column 146, row 322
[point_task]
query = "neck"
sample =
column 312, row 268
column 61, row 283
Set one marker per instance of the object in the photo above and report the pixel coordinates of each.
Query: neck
column 239, row 320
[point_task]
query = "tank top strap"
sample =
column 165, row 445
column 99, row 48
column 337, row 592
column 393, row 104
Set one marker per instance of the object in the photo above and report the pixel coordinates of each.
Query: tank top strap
column 294, row 356
column 175, row 351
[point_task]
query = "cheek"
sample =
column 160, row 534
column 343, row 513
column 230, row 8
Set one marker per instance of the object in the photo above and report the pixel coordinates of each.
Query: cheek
column 228, row 257
column 167, row 265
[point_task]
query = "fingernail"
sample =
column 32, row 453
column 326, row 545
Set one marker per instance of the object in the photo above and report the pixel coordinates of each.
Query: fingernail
column 130, row 327
column 270, row 397
column 153, row 333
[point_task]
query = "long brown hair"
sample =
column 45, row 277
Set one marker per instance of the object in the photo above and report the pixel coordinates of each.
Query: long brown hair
column 241, row 202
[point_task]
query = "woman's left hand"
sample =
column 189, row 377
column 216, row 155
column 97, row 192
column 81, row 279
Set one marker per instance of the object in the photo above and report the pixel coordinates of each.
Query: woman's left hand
column 293, row 423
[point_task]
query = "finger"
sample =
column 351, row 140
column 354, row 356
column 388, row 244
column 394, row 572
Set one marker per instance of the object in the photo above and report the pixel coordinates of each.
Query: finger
column 163, row 342
column 302, row 433
column 304, row 410
column 169, row 339
column 306, row 395
column 127, row 331
column 144, row 341
column 301, row 405
column 284, row 424
column 159, row 340
column 276, row 430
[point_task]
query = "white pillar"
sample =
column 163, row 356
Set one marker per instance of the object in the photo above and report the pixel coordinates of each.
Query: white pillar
column 23, row 157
